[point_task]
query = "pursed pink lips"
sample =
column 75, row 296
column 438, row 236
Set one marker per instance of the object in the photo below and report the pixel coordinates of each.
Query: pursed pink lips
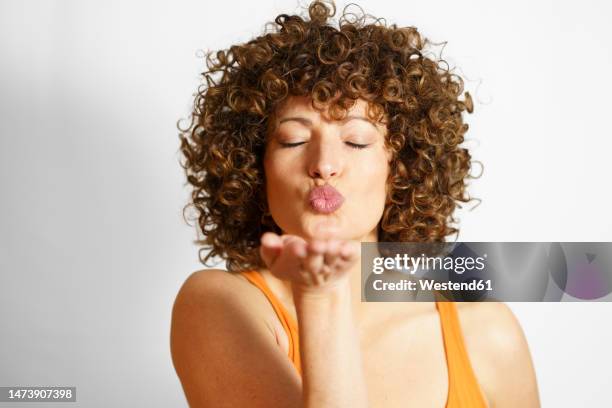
column 325, row 199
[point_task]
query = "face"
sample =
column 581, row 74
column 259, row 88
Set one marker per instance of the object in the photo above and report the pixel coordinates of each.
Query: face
column 307, row 150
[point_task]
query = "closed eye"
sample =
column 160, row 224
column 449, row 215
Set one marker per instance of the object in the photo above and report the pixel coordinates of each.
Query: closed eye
column 290, row 144
column 357, row 146
column 351, row 144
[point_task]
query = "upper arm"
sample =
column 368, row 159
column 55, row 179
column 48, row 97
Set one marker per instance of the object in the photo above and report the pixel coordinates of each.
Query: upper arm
column 224, row 353
column 515, row 380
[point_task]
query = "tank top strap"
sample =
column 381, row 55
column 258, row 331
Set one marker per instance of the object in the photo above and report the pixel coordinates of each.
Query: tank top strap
column 288, row 322
column 464, row 389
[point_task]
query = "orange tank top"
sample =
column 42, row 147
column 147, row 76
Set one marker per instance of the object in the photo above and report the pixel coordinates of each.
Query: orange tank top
column 463, row 387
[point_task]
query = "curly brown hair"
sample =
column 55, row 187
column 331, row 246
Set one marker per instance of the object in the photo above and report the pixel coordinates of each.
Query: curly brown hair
column 224, row 144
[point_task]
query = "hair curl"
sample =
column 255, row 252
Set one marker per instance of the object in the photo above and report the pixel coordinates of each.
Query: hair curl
column 224, row 145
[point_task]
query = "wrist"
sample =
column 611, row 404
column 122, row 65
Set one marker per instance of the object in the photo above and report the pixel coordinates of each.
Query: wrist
column 336, row 290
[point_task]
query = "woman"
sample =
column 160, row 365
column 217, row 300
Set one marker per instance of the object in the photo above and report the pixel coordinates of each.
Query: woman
column 311, row 140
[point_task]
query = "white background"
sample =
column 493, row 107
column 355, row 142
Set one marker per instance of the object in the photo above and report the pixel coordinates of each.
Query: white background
column 93, row 247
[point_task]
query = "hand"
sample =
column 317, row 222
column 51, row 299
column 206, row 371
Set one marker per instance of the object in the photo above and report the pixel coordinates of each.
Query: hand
column 310, row 266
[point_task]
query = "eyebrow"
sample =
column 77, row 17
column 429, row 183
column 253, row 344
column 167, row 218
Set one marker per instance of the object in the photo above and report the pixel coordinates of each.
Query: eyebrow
column 308, row 122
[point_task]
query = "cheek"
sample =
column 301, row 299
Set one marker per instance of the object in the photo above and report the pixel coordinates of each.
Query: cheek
column 278, row 178
column 375, row 174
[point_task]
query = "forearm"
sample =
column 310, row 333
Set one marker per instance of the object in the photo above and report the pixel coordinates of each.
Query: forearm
column 329, row 345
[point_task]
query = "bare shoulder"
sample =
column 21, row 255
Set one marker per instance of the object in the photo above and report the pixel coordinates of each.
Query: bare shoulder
column 223, row 349
column 216, row 294
column 493, row 323
column 208, row 280
column 205, row 296
column 221, row 290
column 499, row 353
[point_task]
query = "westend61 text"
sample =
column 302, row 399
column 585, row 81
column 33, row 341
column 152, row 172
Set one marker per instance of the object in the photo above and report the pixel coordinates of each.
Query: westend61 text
column 430, row 284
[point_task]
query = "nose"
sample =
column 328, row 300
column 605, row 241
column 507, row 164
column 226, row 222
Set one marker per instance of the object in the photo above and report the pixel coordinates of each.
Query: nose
column 325, row 161
column 323, row 171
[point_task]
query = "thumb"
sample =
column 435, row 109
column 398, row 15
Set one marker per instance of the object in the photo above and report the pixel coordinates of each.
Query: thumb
column 271, row 244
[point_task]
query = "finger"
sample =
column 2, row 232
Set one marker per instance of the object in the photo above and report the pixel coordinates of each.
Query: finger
column 292, row 254
column 298, row 248
column 271, row 246
column 333, row 252
column 286, row 238
column 350, row 251
column 314, row 259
